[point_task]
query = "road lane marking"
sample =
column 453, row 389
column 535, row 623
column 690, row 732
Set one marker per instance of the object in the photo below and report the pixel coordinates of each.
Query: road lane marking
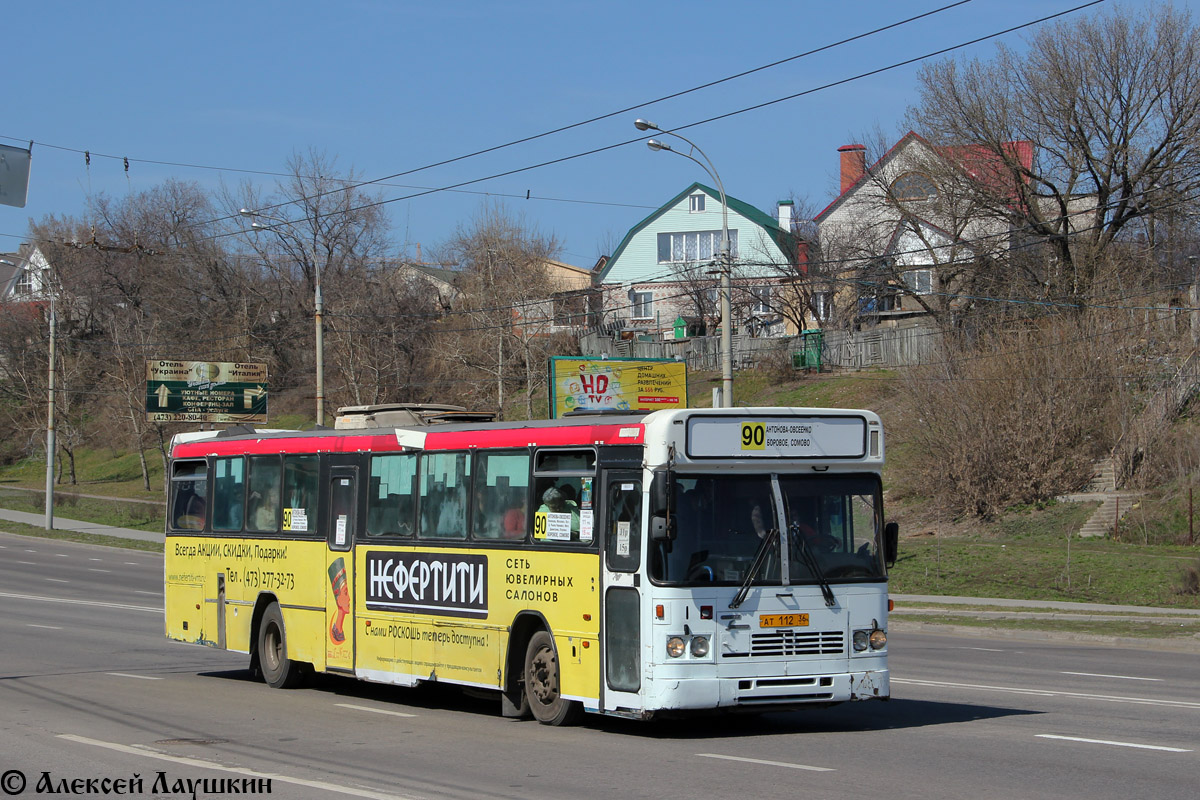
column 95, row 569
column 766, row 763
column 374, row 710
column 142, row 750
column 95, row 603
column 1147, row 701
column 57, row 580
column 131, row 675
column 1121, row 677
column 1114, row 744
column 47, row 627
column 28, row 563
column 143, row 591
column 983, row 649
column 62, row 555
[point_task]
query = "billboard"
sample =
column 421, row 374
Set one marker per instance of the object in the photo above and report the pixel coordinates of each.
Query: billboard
column 621, row 384
column 206, row 391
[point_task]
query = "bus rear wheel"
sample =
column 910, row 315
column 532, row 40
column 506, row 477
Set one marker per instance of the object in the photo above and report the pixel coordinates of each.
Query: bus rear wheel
column 546, row 702
column 278, row 671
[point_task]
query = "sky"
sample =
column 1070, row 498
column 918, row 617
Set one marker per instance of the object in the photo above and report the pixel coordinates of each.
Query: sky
column 221, row 93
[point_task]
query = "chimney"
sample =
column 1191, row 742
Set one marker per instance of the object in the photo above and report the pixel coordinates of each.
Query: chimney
column 785, row 215
column 854, row 164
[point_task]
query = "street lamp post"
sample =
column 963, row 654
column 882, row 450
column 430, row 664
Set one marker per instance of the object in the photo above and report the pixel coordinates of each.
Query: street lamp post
column 318, row 304
column 725, row 261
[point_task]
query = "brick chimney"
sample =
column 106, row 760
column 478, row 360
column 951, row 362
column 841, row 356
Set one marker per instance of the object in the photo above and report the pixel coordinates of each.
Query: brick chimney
column 854, row 164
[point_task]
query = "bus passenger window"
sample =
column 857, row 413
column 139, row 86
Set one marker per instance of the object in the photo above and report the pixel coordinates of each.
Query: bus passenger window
column 229, row 504
column 264, row 494
column 390, row 496
column 300, row 481
column 188, row 491
column 444, row 481
column 558, row 515
column 500, row 502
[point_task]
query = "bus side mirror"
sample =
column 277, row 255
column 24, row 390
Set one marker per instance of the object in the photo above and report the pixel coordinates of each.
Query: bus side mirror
column 891, row 542
column 660, row 492
column 660, row 530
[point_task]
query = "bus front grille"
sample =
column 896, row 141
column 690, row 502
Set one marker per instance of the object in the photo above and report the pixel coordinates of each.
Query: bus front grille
column 787, row 642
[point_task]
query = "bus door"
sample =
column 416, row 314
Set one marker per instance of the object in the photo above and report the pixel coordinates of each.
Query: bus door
column 342, row 502
column 621, row 527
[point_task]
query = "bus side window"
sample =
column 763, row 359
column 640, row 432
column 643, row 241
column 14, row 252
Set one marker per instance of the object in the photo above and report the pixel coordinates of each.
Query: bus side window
column 390, row 495
column 189, row 487
column 300, row 483
column 445, row 478
column 500, row 502
column 264, row 488
column 229, row 501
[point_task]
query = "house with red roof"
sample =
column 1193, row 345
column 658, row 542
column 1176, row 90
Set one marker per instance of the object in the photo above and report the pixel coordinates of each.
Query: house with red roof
column 918, row 232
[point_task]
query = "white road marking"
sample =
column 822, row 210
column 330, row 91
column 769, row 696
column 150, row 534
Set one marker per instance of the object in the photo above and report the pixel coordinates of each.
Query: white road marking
column 1146, row 701
column 47, row 627
column 374, row 710
column 31, row 551
column 95, row 603
column 128, row 675
column 28, row 563
column 766, row 763
column 62, row 555
column 97, row 569
column 1114, row 744
column 57, row 580
column 142, row 750
column 94, row 559
column 982, row 649
column 143, row 591
column 1121, row 677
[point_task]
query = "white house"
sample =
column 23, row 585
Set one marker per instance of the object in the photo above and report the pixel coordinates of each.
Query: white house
column 666, row 267
column 24, row 275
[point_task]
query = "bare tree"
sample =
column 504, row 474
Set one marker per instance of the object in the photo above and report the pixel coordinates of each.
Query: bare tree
column 1112, row 105
column 506, row 303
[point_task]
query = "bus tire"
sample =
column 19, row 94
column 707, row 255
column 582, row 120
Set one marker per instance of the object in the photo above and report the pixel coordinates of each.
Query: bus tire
column 546, row 703
column 278, row 671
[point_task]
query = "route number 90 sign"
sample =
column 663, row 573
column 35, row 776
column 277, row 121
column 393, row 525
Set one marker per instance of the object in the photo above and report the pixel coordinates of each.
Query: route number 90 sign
column 777, row 437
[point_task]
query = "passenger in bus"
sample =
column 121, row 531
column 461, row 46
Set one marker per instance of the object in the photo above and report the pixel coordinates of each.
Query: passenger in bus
column 266, row 512
column 554, row 501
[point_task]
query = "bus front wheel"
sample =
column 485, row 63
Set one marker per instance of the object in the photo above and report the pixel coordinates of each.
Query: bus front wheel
column 546, row 702
column 278, row 671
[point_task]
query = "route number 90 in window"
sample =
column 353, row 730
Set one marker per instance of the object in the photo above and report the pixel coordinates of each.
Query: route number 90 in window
column 754, row 436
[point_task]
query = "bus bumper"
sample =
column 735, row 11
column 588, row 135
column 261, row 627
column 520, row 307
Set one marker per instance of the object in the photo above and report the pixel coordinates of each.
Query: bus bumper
column 767, row 691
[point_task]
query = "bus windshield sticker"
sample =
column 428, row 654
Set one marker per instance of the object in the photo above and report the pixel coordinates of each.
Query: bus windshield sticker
column 339, row 536
column 299, row 519
column 558, row 526
column 585, row 525
column 626, row 487
column 623, row 538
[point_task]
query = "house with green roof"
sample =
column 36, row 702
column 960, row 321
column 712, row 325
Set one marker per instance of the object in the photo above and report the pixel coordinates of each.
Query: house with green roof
column 666, row 268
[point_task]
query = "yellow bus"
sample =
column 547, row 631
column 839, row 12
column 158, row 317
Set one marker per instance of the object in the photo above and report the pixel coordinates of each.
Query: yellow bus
column 637, row 565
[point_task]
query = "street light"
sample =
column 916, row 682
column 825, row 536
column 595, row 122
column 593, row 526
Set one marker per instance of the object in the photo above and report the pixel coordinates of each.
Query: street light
column 724, row 266
column 318, row 305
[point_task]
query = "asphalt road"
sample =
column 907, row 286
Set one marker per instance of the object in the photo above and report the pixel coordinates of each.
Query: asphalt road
column 90, row 689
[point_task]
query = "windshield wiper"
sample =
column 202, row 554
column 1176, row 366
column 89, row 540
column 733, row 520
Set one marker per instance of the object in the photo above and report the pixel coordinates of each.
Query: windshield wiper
column 814, row 566
column 760, row 558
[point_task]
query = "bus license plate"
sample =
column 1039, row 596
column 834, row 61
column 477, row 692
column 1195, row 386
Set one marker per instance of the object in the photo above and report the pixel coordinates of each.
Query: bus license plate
column 783, row 621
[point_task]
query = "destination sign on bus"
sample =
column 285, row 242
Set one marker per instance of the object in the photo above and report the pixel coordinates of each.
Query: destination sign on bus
column 776, row 437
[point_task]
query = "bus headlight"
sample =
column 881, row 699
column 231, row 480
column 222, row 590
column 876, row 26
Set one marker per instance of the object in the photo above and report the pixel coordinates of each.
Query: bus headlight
column 878, row 639
column 861, row 640
column 700, row 646
column 675, row 646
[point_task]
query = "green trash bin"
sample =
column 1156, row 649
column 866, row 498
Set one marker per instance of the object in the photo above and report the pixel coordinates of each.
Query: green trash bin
column 680, row 328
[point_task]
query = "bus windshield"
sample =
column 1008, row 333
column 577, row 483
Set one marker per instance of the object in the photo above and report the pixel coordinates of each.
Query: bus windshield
column 830, row 527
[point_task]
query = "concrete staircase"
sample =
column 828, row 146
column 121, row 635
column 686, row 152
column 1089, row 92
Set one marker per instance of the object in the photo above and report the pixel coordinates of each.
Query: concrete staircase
column 1113, row 504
